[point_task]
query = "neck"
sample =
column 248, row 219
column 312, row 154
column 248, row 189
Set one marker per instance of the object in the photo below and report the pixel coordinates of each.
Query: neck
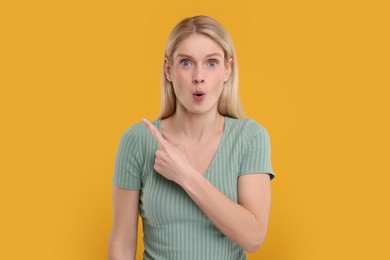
column 197, row 126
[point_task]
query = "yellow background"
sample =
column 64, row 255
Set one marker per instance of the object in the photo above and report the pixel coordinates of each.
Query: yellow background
column 75, row 75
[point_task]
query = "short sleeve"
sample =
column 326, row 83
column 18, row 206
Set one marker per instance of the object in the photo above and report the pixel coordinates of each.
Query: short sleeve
column 128, row 166
column 257, row 157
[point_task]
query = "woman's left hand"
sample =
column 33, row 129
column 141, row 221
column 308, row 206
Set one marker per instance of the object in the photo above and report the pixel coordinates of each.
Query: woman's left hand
column 171, row 161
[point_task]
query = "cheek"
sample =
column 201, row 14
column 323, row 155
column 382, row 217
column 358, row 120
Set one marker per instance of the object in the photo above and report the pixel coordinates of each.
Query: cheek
column 179, row 76
column 218, row 78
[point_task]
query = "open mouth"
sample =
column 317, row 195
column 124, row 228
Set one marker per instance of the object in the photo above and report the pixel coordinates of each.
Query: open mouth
column 198, row 93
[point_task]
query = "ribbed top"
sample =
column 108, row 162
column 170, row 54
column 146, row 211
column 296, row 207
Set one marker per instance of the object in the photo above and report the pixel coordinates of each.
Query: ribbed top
column 174, row 227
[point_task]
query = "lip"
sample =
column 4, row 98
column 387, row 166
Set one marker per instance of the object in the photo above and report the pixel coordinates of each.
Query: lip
column 199, row 95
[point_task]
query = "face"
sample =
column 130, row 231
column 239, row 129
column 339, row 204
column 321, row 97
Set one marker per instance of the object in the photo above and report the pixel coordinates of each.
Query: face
column 198, row 73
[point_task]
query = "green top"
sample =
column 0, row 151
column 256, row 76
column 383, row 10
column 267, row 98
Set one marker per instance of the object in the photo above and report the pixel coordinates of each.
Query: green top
column 174, row 227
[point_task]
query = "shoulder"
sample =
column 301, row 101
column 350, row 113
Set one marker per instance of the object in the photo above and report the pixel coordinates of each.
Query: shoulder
column 247, row 128
column 133, row 130
column 140, row 129
column 139, row 133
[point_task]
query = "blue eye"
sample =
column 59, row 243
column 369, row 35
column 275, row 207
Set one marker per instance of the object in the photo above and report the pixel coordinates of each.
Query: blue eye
column 185, row 63
column 213, row 63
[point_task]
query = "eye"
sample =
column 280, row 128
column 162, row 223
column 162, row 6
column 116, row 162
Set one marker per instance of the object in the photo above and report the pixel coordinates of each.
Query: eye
column 185, row 62
column 212, row 63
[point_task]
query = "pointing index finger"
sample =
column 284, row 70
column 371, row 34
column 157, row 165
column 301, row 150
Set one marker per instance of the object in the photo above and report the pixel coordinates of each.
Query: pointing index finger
column 154, row 131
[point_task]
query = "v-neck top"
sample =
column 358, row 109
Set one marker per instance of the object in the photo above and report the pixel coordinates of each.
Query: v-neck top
column 174, row 227
column 158, row 126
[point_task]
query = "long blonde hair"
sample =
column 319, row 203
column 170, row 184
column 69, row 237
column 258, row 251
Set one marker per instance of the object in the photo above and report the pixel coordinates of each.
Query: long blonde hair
column 229, row 102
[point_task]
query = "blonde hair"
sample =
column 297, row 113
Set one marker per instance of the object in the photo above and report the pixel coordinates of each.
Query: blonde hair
column 229, row 102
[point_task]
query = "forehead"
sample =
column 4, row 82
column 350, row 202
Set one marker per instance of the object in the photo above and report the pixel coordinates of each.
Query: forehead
column 198, row 46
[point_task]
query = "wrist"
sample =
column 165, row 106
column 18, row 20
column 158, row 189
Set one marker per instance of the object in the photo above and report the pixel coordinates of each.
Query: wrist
column 190, row 179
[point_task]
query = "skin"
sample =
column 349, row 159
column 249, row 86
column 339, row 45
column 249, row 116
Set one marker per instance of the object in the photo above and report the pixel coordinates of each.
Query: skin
column 198, row 64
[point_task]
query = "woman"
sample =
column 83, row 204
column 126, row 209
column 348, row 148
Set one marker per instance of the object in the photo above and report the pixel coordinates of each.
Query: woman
column 194, row 173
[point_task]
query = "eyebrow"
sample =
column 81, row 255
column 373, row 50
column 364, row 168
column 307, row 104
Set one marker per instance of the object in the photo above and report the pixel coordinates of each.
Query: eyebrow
column 207, row 56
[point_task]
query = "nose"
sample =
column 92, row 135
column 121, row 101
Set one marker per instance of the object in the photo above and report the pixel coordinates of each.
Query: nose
column 198, row 77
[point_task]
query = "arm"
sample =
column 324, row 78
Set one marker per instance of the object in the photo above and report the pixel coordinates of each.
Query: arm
column 123, row 238
column 245, row 223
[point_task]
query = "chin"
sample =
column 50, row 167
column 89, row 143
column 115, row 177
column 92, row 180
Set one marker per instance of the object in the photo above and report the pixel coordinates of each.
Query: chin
column 200, row 110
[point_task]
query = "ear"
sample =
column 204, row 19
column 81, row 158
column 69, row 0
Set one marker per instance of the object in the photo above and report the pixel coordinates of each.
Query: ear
column 228, row 69
column 167, row 69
